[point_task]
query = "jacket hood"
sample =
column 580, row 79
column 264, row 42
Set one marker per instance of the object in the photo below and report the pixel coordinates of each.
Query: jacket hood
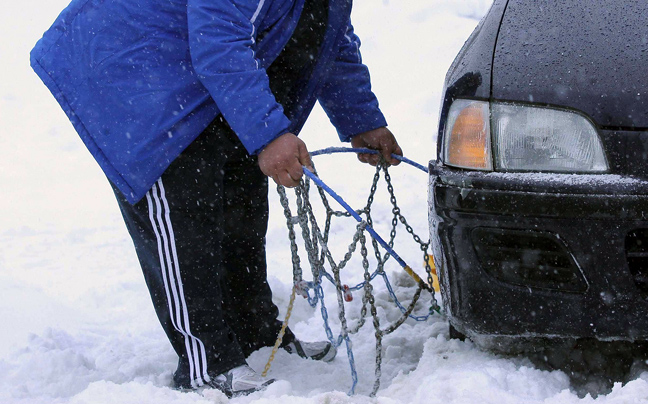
column 589, row 55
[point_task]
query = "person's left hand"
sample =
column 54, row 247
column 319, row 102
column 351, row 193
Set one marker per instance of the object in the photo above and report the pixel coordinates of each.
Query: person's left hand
column 378, row 139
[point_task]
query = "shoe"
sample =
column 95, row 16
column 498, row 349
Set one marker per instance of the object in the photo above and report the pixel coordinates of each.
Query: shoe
column 319, row 351
column 239, row 381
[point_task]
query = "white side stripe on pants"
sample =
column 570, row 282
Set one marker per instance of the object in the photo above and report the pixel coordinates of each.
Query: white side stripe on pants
column 178, row 311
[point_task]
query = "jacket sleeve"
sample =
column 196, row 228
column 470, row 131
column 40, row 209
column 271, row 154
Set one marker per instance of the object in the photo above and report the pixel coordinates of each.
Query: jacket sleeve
column 222, row 45
column 346, row 95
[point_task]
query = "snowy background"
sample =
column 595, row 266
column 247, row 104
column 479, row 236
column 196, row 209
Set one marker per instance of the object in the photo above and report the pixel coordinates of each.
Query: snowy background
column 77, row 323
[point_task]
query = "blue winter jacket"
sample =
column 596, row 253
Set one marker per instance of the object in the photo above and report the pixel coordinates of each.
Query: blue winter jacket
column 141, row 79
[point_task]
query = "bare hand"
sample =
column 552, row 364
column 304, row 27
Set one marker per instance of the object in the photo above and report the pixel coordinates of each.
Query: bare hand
column 283, row 158
column 378, row 139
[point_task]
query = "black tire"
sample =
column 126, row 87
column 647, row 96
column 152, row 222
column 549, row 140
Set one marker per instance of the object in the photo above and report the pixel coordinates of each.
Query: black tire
column 455, row 334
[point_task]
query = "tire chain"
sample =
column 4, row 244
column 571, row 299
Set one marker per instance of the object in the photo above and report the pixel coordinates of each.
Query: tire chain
column 316, row 246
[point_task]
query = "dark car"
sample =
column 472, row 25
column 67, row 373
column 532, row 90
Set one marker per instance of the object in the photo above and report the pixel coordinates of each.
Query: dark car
column 539, row 196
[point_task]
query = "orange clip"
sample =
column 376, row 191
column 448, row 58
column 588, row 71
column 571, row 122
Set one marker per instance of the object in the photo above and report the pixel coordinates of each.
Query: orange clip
column 348, row 297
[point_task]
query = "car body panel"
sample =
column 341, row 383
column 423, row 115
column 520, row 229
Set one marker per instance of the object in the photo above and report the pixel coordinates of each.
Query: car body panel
column 627, row 151
column 586, row 55
column 470, row 73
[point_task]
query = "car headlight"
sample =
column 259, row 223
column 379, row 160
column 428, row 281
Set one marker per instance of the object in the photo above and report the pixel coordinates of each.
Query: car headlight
column 524, row 138
column 529, row 138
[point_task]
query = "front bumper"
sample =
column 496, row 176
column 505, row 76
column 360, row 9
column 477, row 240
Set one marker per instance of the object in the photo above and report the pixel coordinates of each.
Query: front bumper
column 587, row 236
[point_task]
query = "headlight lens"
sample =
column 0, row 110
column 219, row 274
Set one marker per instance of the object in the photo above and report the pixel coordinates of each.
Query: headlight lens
column 467, row 135
column 524, row 138
column 529, row 138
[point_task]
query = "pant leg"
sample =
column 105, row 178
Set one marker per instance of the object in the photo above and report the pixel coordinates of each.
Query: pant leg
column 178, row 231
column 247, row 302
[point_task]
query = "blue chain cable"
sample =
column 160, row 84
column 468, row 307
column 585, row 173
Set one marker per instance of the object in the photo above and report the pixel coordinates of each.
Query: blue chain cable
column 371, row 231
column 331, row 150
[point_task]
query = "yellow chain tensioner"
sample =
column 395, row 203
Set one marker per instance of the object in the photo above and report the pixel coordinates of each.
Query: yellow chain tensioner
column 435, row 277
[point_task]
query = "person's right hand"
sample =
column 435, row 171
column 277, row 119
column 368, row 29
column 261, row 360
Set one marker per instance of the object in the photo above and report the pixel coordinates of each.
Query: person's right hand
column 283, row 158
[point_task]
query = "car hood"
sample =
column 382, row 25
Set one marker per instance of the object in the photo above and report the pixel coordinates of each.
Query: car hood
column 589, row 55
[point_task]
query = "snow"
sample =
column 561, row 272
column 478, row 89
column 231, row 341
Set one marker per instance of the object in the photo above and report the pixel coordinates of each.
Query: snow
column 77, row 323
column 570, row 179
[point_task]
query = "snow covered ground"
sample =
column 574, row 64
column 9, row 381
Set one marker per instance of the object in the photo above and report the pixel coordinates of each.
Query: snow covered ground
column 77, row 324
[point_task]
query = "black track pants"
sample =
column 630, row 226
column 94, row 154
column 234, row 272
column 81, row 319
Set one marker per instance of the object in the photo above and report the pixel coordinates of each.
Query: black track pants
column 200, row 237
column 200, row 232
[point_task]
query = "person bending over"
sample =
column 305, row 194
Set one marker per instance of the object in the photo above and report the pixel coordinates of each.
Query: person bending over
column 189, row 106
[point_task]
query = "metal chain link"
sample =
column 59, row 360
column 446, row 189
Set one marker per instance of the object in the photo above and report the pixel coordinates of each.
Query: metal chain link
column 423, row 245
column 316, row 245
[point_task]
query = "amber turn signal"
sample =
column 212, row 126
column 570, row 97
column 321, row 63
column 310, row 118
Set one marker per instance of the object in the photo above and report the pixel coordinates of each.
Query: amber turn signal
column 467, row 135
